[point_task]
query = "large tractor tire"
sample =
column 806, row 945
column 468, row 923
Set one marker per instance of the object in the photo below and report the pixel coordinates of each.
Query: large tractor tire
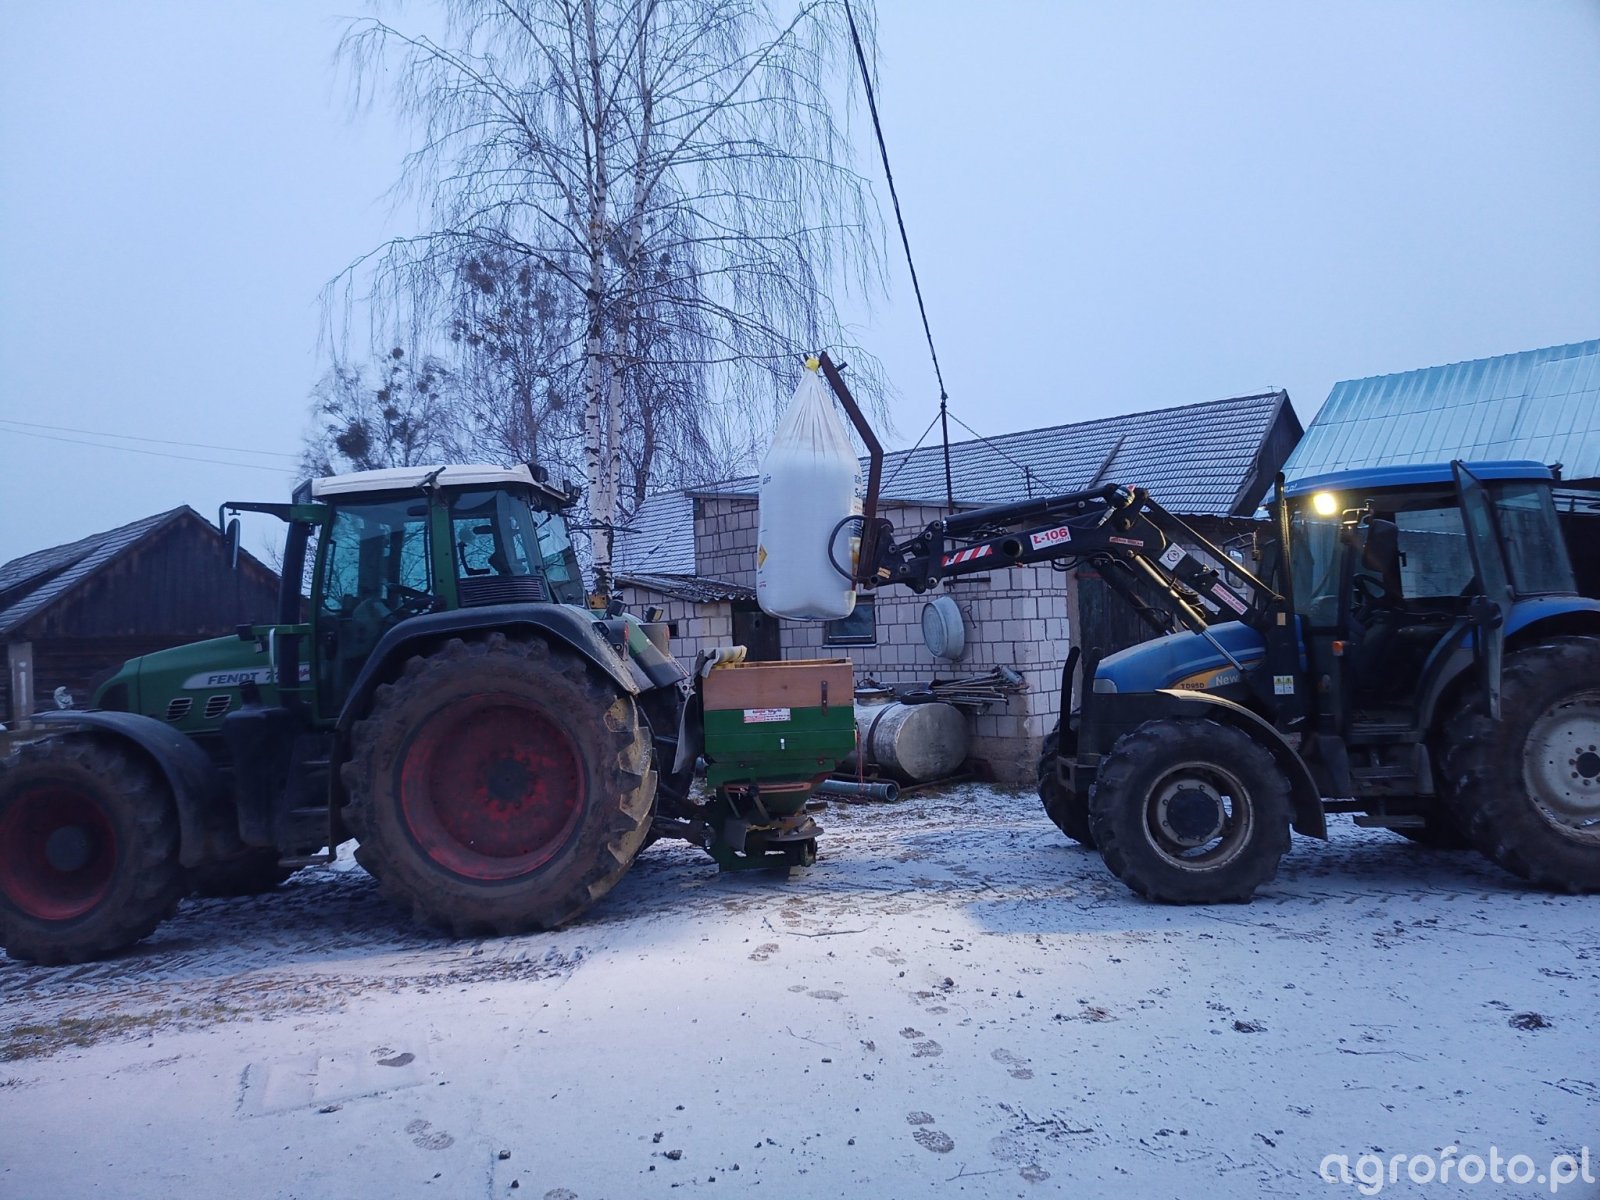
column 499, row 786
column 249, row 873
column 1527, row 787
column 1065, row 807
column 88, row 850
column 1188, row 811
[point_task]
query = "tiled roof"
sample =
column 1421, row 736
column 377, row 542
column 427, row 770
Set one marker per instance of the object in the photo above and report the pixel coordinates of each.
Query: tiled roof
column 696, row 588
column 31, row 583
column 1540, row 404
column 658, row 538
column 1207, row 458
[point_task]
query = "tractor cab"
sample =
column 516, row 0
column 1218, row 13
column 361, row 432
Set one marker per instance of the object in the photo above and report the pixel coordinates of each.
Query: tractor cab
column 1399, row 571
column 398, row 543
column 367, row 550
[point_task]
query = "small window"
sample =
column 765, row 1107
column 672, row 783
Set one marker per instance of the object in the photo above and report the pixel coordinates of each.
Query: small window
column 860, row 628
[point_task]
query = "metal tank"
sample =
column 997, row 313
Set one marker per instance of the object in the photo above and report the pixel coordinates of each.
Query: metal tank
column 912, row 742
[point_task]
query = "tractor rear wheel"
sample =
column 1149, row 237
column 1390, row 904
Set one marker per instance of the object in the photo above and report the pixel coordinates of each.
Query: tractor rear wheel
column 249, row 873
column 1067, row 808
column 1527, row 787
column 88, row 850
column 1189, row 811
column 499, row 786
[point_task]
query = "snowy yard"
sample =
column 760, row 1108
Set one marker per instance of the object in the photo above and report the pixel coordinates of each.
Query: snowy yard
column 953, row 1001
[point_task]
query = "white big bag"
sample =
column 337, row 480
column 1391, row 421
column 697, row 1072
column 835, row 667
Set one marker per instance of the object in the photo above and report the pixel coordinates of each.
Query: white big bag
column 810, row 482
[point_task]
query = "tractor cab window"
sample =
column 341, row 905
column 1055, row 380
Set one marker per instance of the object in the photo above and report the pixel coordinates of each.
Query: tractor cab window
column 1316, row 563
column 560, row 562
column 493, row 535
column 373, row 573
column 376, row 554
column 508, row 551
column 1535, row 551
column 1435, row 560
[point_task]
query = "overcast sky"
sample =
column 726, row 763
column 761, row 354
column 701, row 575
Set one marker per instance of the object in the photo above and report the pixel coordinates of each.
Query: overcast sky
column 1114, row 206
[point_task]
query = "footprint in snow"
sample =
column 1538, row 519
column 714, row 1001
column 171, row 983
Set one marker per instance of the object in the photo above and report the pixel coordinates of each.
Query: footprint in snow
column 888, row 955
column 927, row 1049
column 826, row 994
column 919, row 1118
column 423, row 1140
column 763, row 952
column 1017, row 1068
column 933, row 1139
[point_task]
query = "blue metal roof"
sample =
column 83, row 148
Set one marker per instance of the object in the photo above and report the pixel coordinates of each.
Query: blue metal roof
column 1542, row 405
column 1379, row 478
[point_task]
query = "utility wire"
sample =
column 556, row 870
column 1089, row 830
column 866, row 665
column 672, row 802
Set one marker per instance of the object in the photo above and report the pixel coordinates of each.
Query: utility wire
column 133, row 437
column 1028, row 473
column 153, row 453
column 905, row 241
column 909, row 453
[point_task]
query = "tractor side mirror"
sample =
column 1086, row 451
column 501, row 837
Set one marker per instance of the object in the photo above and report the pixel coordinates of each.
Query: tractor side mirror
column 230, row 537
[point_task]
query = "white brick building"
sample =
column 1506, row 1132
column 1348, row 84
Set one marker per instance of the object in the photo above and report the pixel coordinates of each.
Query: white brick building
column 692, row 555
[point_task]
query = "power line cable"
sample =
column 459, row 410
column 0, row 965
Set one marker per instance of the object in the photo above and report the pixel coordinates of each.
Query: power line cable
column 1028, row 471
column 905, row 241
column 909, row 453
column 134, row 437
column 152, row 453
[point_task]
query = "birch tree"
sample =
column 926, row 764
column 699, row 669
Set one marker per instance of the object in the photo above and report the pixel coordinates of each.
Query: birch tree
column 669, row 184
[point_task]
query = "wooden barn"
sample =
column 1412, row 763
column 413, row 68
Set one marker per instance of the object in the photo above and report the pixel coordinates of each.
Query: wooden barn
column 80, row 610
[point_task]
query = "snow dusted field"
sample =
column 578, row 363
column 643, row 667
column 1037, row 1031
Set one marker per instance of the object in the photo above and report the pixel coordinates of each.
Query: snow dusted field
column 953, row 1001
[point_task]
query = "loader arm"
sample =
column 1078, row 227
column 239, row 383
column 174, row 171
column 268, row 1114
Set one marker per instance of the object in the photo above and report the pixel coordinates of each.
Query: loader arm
column 1119, row 530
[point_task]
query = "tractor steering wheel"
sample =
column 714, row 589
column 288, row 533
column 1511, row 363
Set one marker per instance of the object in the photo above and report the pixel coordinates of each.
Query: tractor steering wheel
column 409, row 602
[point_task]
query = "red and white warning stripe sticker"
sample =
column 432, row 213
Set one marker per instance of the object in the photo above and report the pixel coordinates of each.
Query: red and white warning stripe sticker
column 967, row 555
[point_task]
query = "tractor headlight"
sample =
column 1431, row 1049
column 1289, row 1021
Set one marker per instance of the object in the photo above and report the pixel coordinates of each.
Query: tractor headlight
column 1325, row 504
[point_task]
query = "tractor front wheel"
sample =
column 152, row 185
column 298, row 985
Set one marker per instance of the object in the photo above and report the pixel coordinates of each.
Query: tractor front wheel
column 1064, row 806
column 499, row 786
column 1527, row 787
column 88, row 850
column 1188, row 811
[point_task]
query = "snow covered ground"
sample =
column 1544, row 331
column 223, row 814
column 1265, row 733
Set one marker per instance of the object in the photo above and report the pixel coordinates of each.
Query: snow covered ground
column 953, row 1001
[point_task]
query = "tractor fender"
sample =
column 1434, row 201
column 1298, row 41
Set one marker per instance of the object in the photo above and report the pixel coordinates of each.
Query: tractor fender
column 1530, row 622
column 206, row 822
column 574, row 627
column 1118, row 713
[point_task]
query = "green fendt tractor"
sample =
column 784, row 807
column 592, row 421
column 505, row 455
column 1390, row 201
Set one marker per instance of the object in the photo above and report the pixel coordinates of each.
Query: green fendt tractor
column 437, row 689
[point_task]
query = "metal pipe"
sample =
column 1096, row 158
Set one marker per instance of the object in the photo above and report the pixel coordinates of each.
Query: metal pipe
column 886, row 789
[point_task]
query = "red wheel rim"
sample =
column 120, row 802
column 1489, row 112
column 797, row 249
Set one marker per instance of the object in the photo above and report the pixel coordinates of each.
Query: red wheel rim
column 491, row 788
column 58, row 852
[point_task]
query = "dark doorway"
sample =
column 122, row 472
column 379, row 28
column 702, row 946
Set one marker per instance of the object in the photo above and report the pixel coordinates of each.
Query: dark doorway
column 756, row 632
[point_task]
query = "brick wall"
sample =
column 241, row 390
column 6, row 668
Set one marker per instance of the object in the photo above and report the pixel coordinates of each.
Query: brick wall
column 698, row 625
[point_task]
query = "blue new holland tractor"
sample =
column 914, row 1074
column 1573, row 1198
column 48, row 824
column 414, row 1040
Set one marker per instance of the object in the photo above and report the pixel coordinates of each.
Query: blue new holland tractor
column 1412, row 646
